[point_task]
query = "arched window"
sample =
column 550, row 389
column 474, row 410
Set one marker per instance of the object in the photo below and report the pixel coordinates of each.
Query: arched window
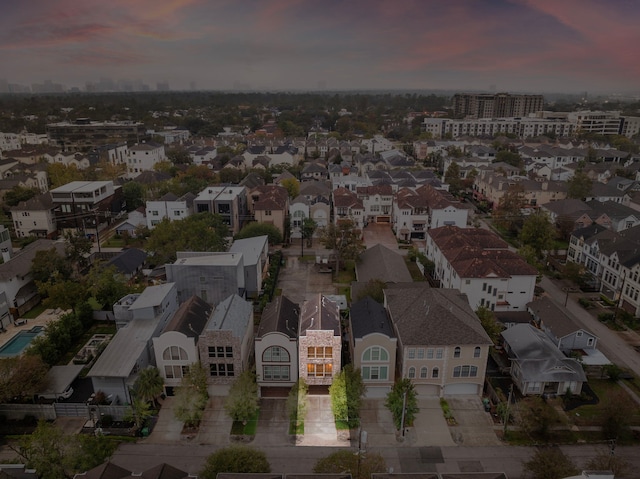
column 465, row 371
column 375, row 353
column 275, row 354
column 476, row 352
column 456, row 352
column 412, row 372
column 435, row 372
column 174, row 353
column 423, row 373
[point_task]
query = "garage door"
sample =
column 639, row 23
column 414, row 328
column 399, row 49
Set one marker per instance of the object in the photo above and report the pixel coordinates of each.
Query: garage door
column 383, row 219
column 376, row 392
column 460, row 389
column 427, row 390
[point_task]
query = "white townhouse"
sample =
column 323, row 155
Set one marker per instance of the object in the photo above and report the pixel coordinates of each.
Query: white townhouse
column 170, row 207
column 479, row 264
column 143, row 157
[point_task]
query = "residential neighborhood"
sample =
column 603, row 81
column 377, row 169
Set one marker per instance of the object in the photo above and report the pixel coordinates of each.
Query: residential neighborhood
column 466, row 285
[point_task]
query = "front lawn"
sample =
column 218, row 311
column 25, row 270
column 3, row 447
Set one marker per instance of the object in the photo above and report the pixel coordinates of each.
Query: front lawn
column 248, row 429
column 594, row 414
column 35, row 312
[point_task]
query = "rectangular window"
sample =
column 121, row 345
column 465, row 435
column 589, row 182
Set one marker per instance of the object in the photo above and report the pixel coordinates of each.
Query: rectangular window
column 412, row 353
column 275, row 373
column 319, row 370
column 420, row 353
column 430, row 353
column 439, row 353
column 320, row 352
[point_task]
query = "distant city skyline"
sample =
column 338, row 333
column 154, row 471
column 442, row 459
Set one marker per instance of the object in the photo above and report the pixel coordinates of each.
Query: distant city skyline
column 494, row 45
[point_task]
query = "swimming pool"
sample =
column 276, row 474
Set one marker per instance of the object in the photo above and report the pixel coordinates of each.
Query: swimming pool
column 19, row 342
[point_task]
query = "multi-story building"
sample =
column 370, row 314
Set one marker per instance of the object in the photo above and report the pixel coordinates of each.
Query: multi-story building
column 347, row 206
column 498, row 105
column 270, row 204
column 377, row 201
column 319, row 341
column 84, row 134
column 442, row 347
column 170, row 207
column 479, row 264
column 209, row 275
column 226, row 343
column 230, row 202
column 35, row 217
column 144, row 157
column 87, row 206
column 520, row 127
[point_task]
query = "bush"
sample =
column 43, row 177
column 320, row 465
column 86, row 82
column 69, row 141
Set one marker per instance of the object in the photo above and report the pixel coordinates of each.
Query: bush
column 605, row 317
column 585, row 303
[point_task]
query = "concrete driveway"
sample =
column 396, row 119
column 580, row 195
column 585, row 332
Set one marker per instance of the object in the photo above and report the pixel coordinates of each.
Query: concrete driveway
column 320, row 426
column 430, row 427
column 380, row 233
column 475, row 425
column 300, row 281
column 273, row 424
column 378, row 422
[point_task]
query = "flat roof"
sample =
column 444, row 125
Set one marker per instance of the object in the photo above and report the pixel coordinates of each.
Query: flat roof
column 122, row 352
column 210, row 259
column 80, row 186
column 152, row 296
column 59, row 378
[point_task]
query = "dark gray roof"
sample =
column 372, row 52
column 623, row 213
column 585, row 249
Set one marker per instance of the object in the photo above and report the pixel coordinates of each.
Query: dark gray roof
column 553, row 317
column 281, row 315
column 319, row 314
column 106, row 470
column 190, row 318
column 367, row 317
column 164, row 471
column 20, row 264
column 539, row 359
column 128, row 261
column 429, row 316
column 379, row 262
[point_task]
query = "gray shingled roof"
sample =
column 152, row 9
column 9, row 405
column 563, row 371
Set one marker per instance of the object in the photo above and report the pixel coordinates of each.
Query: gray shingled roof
column 367, row 317
column 430, row 316
column 379, row 262
column 282, row 316
column 233, row 314
column 319, row 314
column 20, row 264
column 251, row 248
column 538, row 357
column 190, row 318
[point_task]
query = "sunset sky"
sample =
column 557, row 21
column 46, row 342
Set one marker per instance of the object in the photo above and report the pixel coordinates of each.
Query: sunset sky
column 509, row 45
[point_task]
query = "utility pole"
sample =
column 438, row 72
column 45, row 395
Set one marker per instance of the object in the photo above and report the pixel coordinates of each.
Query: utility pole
column 505, row 419
column 404, row 408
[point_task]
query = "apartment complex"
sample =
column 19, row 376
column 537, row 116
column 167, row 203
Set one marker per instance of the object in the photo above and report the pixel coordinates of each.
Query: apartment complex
column 499, row 105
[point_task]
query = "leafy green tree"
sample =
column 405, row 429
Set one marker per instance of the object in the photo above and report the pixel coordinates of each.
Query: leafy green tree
column 242, row 401
column 538, row 232
column 617, row 413
column 58, row 456
column 604, row 460
column 22, row 376
column 106, row 284
column 309, row 227
column 178, row 155
column 254, row 229
column 374, row 288
column 199, row 232
column 579, row 185
column 191, row 396
column 61, row 174
column 139, row 411
column 77, row 249
column 510, row 157
column 508, row 213
column 18, row 194
column 396, row 398
column 346, row 393
column 149, row 385
column 345, row 239
column 58, row 338
column 360, row 466
column 297, row 402
column 537, row 418
column 230, row 176
column 235, row 459
column 292, row 185
column 133, row 195
column 47, row 264
column 63, row 294
column 488, row 320
column 452, row 177
column 550, row 463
